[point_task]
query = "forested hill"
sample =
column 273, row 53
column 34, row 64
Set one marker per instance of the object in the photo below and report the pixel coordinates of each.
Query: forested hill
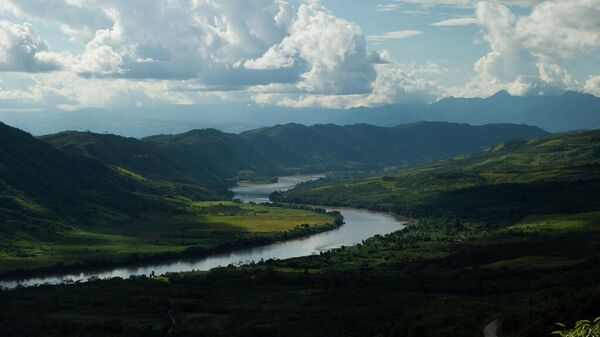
column 225, row 155
column 214, row 158
column 208, row 157
column 539, row 176
column 333, row 147
column 41, row 185
column 37, row 182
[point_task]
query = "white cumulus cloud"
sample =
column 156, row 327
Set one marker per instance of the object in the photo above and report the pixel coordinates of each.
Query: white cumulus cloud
column 22, row 49
column 331, row 50
column 528, row 52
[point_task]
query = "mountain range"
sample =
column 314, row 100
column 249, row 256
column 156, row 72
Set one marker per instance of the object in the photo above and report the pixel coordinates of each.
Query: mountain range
column 82, row 177
column 567, row 112
column 214, row 158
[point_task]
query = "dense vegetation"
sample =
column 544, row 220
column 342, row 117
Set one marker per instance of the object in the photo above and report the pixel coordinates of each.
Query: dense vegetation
column 59, row 210
column 75, row 198
column 213, row 158
column 333, row 147
column 501, row 185
column 207, row 157
column 475, row 255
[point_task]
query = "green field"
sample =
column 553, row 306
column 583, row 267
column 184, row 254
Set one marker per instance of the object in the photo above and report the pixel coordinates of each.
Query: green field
column 256, row 218
column 206, row 225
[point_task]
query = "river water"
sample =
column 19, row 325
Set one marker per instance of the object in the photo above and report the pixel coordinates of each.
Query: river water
column 359, row 225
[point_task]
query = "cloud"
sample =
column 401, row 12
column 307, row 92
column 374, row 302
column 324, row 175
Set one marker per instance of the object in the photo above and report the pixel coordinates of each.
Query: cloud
column 387, row 7
column 329, row 52
column 219, row 43
column 76, row 18
column 456, row 22
column 188, row 49
column 528, row 52
column 562, row 29
column 395, row 83
column 438, row 2
column 67, row 90
column 22, row 50
column 592, row 85
column 398, row 35
column 466, row 3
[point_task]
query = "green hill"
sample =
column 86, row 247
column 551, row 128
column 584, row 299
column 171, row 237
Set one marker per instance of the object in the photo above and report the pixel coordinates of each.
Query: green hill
column 67, row 207
column 37, row 178
column 551, row 174
column 220, row 154
column 331, row 147
column 509, row 235
column 208, row 157
column 216, row 159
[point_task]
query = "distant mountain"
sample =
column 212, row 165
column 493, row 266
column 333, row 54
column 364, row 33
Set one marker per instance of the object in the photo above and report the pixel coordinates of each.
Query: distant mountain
column 224, row 155
column 547, row 175
column 332, row 147
column 214, row 159
column 566, row 112
column 207, row 157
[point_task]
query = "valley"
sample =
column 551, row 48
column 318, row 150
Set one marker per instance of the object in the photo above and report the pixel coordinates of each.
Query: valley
column 299, row 168
column 509, row 233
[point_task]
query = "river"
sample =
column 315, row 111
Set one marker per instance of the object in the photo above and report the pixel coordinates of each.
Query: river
column 359, row 225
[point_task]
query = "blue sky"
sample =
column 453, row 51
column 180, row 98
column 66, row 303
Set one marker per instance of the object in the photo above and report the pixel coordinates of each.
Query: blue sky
column 69, row 54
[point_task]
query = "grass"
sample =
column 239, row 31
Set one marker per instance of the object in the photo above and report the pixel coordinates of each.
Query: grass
column 207, row 225
column 257, row 218
column 559, row 222
column 531, row 263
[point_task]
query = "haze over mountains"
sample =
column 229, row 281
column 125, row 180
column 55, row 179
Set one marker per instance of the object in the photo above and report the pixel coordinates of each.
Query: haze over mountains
column 566, row 112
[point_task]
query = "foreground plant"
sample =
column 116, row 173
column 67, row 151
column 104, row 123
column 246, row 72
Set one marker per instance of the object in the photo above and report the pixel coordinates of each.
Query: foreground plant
column 583, row 328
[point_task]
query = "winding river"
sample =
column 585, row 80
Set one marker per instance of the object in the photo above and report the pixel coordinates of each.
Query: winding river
column 359, row 225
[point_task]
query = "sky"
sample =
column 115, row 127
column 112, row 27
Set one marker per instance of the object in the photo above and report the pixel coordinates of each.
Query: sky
column 71, row 54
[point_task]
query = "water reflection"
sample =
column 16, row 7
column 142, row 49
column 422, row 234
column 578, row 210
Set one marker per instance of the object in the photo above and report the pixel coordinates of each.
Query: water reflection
column 359, row 226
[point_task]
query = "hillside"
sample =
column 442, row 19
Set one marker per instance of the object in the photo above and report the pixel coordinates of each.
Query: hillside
column 67, row 208
column 542, row 175
column 331, row 147
column 509, row 235
column 207, row 157
column 222, row 154
column 216, row 159
column 35, row 178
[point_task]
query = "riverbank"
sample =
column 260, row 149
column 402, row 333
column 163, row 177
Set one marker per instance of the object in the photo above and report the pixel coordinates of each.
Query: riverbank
column 300, row 241
column 423, row 281
column 216, row 227
column 98, row 268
